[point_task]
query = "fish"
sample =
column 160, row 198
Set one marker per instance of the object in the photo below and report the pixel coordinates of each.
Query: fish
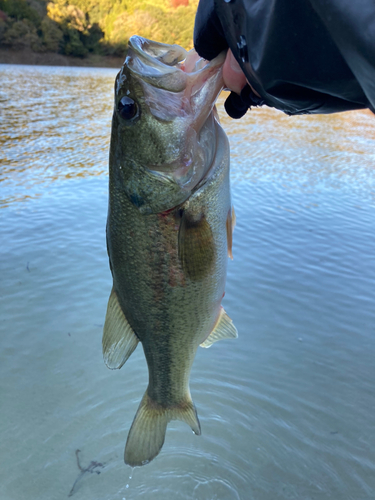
column 169, row 230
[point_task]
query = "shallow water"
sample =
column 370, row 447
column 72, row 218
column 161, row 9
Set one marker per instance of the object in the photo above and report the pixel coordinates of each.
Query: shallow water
column 287, row 410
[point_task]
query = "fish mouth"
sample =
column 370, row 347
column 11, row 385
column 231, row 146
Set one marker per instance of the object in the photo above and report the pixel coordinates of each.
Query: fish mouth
column 182, row 88
column 157, row 63
column 192, row 83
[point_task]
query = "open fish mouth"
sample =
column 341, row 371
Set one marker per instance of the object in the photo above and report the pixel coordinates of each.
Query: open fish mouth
column 177, row 83
column 157, row 63
column 182, row 88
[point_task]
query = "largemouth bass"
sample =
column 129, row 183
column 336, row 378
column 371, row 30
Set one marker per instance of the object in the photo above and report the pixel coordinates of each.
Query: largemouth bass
column 169, row 230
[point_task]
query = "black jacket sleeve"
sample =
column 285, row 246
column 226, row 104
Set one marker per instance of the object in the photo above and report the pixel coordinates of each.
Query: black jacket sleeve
column 301, row 56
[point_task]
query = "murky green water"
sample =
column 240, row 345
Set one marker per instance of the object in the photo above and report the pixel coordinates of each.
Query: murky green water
column 287, row 410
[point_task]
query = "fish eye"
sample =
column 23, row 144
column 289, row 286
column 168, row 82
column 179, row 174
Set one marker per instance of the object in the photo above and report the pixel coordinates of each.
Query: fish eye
column 127, row 108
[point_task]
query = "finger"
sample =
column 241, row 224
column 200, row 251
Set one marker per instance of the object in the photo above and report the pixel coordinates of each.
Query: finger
column 234, row 77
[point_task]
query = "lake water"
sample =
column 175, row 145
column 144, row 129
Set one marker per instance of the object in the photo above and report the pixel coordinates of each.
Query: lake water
column 287, row 410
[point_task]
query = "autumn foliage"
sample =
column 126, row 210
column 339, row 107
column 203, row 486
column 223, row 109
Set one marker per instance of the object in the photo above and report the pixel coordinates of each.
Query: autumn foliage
column 80, row 27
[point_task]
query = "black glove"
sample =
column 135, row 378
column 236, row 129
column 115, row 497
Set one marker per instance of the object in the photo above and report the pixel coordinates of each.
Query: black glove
column 237, row 105
column 209, row 41
column 310, row 56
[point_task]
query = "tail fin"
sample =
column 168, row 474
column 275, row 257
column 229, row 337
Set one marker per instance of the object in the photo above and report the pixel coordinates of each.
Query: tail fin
column 147, row 433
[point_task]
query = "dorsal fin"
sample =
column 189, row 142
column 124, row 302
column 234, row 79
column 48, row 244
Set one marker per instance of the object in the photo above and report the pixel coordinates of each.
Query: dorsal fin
column 223, row 329
column 119, row 340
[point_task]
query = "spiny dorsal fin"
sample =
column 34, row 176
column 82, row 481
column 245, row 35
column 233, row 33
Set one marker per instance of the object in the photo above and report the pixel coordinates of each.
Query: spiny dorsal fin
column 119, row 340
column 147, row 433
column 231, row 223
column 224, row 329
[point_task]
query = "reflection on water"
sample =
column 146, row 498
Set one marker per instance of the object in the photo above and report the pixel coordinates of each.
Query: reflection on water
column 47, row 117
column 286, row 409
column 304, row 151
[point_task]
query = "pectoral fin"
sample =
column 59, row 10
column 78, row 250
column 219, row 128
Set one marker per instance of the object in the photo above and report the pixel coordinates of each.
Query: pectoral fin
column 196, row 246
column 231, row 223
column 224, row 329
column 119, row 340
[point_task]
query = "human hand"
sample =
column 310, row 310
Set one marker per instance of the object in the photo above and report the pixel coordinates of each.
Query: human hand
column 242, row 95
column 234, row 77
column 209, row 41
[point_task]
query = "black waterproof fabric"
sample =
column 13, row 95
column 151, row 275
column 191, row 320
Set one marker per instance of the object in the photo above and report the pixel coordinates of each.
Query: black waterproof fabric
column 301, row 56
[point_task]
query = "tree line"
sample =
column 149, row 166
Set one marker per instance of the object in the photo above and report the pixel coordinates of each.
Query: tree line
column 80, row 27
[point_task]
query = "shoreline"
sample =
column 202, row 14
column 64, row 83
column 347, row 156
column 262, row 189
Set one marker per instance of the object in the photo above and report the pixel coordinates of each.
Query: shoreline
column 29, row 57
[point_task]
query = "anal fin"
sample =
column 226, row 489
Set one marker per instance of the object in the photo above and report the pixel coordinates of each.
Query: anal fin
column 223, row 329
column 119, row 340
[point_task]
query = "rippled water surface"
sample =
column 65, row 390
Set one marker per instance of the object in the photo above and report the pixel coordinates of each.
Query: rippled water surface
column 287, row 410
